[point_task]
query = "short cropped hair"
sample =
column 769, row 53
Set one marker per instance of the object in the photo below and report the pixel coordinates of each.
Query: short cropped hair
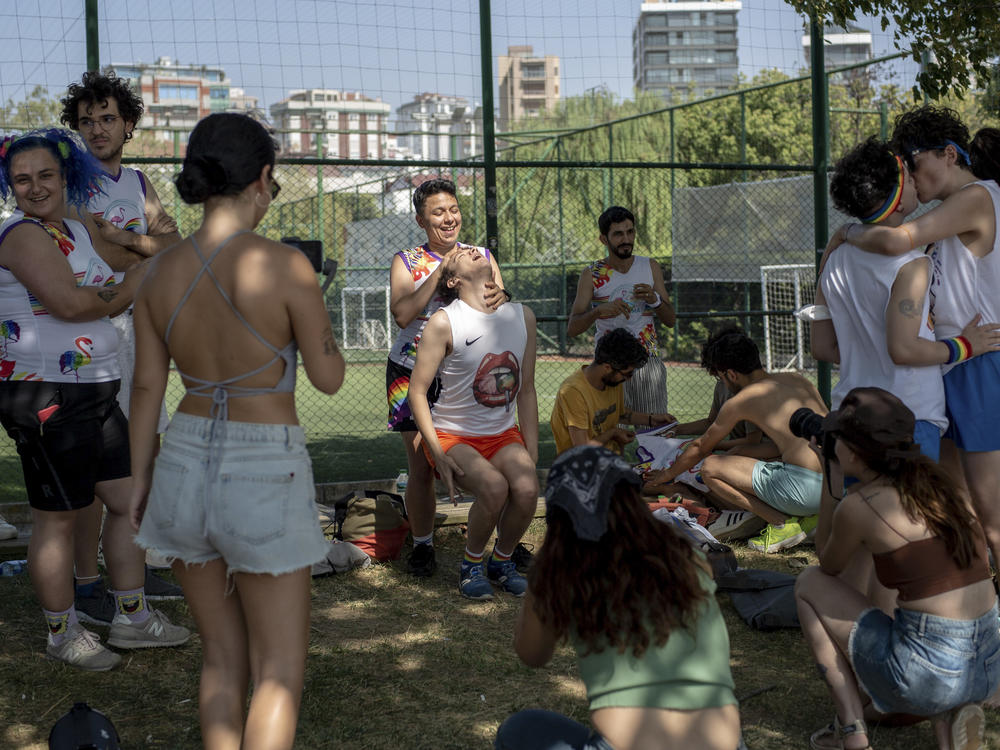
column 864, row 178
column 432, row 187
column 620, row 349
column 732, row 349
column 929, row 127
column 613, row 215
column 95, row 88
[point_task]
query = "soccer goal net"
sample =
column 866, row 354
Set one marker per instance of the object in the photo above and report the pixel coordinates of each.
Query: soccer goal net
column 365, row 317
column 786, row 338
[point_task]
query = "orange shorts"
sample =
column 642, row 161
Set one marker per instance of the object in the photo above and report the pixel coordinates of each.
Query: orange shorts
column 486, row 445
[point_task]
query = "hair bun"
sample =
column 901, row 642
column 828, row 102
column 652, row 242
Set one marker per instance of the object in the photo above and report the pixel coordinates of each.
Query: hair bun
column 200, row 177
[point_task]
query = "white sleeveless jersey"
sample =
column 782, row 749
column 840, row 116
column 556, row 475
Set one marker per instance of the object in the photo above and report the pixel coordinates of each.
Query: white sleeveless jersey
column 123, row 202
column 963, row 285
column 36, row 346
column 481, row 377
column 857, row 286
column 611, row 285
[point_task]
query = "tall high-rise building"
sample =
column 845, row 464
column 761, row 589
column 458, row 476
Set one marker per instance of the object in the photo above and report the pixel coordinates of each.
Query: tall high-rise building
column 843, row 46
column 436, row 126
column 529, row 84
column 299, row 116
column 685, row 46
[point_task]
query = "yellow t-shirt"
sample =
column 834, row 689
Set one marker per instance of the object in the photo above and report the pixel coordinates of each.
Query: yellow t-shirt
column 580, row 405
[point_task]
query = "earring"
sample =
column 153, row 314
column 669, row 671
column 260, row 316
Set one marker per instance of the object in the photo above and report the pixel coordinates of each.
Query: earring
column 256, row 200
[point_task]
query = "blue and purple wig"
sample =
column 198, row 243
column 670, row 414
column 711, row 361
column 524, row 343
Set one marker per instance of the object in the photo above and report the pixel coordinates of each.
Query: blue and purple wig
column 79, row 168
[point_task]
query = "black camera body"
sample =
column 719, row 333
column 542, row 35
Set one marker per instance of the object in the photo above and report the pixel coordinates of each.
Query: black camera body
column 807, row 424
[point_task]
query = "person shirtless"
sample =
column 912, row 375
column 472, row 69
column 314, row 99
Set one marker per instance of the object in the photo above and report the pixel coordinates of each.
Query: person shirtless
column 782, row 492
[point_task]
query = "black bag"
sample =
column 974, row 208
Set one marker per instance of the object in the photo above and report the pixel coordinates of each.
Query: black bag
column 765, row 599
column 83, row 728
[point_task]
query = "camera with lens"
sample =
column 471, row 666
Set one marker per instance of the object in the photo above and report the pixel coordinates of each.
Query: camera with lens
column 807, row 424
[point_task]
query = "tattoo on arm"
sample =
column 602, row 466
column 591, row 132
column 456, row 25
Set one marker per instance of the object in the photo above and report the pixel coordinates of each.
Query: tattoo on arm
column 908, row 308
column 107, row 294
column 330, row 347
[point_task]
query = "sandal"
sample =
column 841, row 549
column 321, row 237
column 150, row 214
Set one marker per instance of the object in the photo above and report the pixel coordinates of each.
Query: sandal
column 967, row 727
column 831, row 737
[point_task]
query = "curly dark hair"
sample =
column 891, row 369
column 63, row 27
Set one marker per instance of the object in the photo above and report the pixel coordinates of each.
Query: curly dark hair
column 620, row 349
column 984, row 152
column 629, row 589
column 431, row 187
column 613, row 215
column 95, row 88
column 864, row 177
column 928, row 127
column 731, row 349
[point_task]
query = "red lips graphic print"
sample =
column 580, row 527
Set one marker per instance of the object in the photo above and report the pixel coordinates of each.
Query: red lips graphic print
column 497, row 381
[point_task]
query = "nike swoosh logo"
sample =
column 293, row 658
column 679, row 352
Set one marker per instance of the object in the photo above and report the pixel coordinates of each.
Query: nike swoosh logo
column 470, row 343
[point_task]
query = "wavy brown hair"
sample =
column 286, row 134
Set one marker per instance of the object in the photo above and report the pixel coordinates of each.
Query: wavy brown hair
column 927, row 493
column 629, row 589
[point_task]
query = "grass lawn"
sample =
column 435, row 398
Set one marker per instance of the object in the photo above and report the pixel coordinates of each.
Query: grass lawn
column 395, row 663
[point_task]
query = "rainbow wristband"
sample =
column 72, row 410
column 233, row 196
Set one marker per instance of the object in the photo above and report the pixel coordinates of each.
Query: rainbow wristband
column 959, row 349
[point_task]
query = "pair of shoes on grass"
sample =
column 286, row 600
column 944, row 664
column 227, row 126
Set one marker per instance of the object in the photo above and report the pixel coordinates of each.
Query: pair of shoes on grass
column 832, row 736
column 735, row 524
column 83, row 649
column 98, row 607
column 792, row 533
column 474, row 583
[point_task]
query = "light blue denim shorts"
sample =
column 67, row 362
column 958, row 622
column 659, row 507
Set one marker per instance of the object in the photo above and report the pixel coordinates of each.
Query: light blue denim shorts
column 791, row 489
column 923, row 664
column 248, row 498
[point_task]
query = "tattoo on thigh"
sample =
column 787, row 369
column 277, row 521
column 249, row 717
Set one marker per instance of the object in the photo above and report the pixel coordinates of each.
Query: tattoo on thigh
column 107, row 294
column 908, row 308
column 330, row 347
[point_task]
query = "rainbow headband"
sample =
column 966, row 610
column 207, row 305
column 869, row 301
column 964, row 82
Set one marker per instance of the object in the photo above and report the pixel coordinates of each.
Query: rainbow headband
column 891, row 202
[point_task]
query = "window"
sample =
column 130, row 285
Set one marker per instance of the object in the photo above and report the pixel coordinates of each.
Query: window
column 657, row 58
column 174, row 91
column 657, row 40
column 532, row 71
column 681, row 18
column 657, row 20
column 218, row 93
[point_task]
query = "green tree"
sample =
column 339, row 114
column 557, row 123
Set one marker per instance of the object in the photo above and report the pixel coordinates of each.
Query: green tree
column 954, row 40
column 36, row 110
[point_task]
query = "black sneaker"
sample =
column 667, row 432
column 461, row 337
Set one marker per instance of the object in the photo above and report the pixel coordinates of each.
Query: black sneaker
column 522, row 557
column 158, row 589
column 421, row 562
column 98, row 608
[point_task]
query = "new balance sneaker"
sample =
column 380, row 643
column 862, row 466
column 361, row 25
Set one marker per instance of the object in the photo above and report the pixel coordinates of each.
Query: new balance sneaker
column 158, row 589
column 506, row 576
column 421, row 562
column 83, row 649
column 98, row 608
column 966, row 726
column 522, row 557
column 774, row 539
column 736, row 524
column 156, row 631
column 809, row 524
column 472, row 583
column 7, row 530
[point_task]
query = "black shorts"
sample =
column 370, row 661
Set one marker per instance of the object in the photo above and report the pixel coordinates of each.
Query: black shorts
column 397, row 387
column 70, row 436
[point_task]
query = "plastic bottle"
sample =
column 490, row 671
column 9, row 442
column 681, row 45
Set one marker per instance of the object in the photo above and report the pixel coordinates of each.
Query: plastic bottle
column 401, row 481
column 13, row 567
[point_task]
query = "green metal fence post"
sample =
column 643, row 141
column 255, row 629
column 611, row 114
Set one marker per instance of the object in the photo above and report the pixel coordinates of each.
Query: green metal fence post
column 489, row 132
column 744, row 207
column 611, row 171
column 883, row 116
column 821, row 161
column 674, row 284
column 320, row 234
column 177, row 155
column 93, row 42
column 562, row 247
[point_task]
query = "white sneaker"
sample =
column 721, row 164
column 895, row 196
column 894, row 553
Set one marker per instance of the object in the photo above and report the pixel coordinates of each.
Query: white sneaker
column 736, row 524
column 7, row 530
column 82, row 649
column 156, row 631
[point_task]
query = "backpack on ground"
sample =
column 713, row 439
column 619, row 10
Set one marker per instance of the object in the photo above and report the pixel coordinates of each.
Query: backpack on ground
column 83, row 728
column 374, row 521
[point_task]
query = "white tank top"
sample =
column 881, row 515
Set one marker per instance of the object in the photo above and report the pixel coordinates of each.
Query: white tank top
column 36, row 346
column 857, row 286
column 611, row 285
column 123, row 202
column 420, row 262
column 481, row 377
column 962, row 284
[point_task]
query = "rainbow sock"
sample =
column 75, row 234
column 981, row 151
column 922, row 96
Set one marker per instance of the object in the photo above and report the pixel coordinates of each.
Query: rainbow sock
column 132, row 604
column 498, row 555
column 472, row 558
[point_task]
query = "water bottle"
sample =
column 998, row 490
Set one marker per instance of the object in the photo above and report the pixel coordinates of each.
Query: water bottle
column 13, row 567
column 401, row 481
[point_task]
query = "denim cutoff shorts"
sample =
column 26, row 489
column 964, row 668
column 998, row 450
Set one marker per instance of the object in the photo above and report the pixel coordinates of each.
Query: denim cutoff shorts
column 923, row 664
column 248, row 498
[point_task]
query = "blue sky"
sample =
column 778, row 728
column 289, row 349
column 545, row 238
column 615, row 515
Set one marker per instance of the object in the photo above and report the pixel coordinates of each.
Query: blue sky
column 391, row 49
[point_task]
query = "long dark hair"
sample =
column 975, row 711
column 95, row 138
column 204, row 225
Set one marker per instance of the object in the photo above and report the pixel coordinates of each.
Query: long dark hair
column 629, row 589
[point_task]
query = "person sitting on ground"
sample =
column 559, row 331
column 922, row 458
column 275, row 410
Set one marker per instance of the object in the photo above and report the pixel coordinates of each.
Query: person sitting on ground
column 938, row 655
column 231, row 498
column 590, row 404
column 784, row 493
column 485, row 358
column 58, row 380
column 637, row 603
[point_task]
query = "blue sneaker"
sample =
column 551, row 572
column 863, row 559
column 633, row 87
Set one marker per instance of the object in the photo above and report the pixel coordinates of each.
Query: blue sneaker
column 505, row 573
column 472, row 583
